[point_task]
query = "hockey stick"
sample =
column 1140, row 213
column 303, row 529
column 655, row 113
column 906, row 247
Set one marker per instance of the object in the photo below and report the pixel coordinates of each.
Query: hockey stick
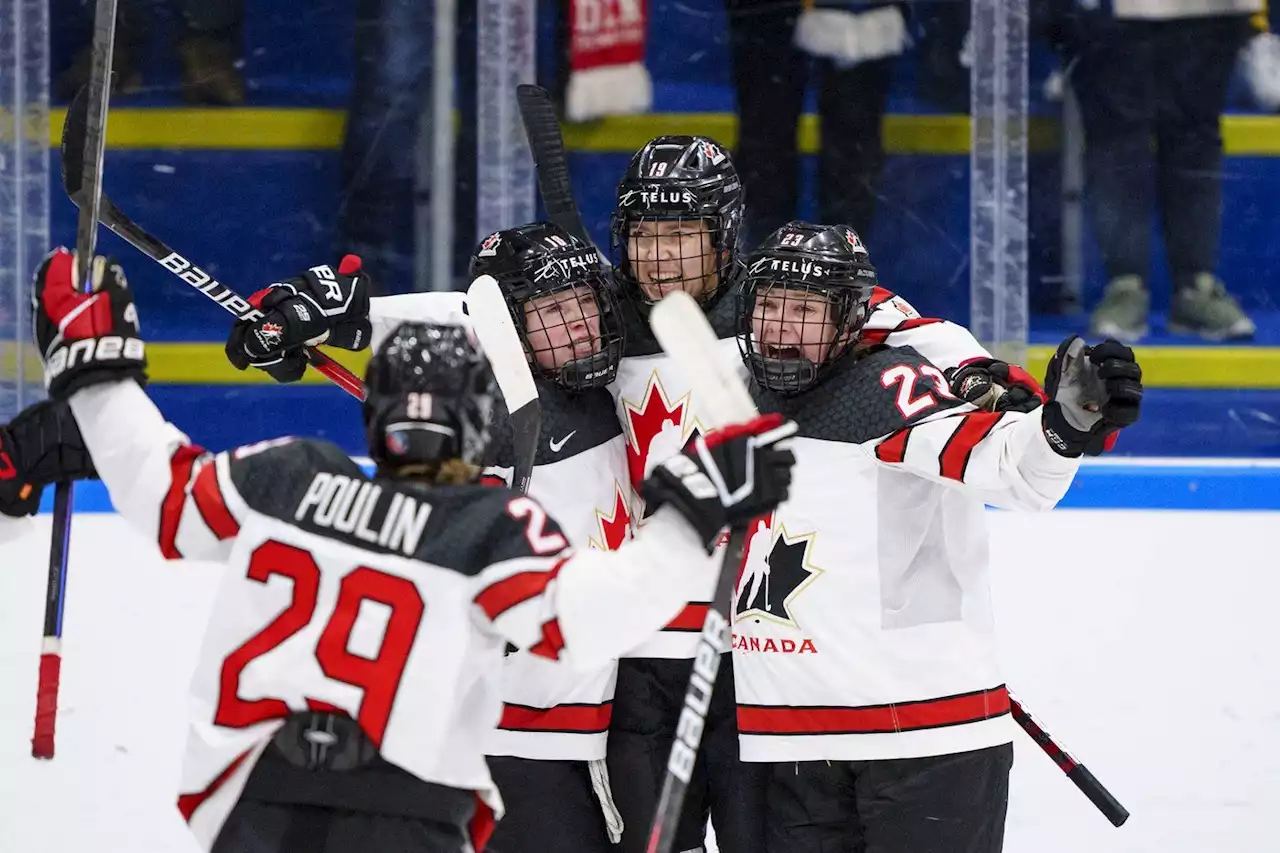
column 546, row 144
column 91, row 147
column 494, row 327
column 111, row 216
column 1076, row 772
column 682, row 328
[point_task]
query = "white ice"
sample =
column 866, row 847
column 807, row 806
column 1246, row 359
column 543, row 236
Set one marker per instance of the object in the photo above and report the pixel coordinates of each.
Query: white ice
column 1145, row 641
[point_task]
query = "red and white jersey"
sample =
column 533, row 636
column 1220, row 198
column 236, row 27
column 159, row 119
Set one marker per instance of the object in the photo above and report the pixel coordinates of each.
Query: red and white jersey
column 659, row 416
column 895, row 323
column 552, row 712
column 385, row 600
column 862, row 619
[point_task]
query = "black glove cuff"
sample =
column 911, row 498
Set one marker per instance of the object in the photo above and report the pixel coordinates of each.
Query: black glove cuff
column 1065, row 439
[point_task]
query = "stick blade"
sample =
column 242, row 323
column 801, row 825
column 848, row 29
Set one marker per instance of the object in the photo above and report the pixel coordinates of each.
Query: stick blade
column 494, row 327
column 685, row 334
column 546, row 144
column 74, row 131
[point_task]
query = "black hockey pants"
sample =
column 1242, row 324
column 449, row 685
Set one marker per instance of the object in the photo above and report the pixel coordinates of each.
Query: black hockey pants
column 943, row 804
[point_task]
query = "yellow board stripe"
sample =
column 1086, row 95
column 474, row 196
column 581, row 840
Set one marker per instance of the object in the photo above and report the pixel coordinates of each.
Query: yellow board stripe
column 1246, row 368
column 1163, row 367
column 274, row 129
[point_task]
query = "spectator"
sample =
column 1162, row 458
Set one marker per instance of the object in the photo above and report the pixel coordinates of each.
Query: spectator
column 393, row 50
column 208, row 48
column 1158, row 68
column 776, row 45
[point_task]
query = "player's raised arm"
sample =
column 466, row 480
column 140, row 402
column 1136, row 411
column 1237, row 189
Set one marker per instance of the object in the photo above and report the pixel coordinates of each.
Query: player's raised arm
column 587, row 607
column 1022, row 460
column 169, row 489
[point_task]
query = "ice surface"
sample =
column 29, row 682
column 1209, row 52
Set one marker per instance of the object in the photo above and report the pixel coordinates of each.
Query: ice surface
column 1145, row 641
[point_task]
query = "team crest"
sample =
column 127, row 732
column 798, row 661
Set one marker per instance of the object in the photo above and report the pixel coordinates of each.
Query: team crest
column 490, row 245
column 854, row 241
column 272, row 334
column 655, row 428
column 712, row 152
column 777, row 570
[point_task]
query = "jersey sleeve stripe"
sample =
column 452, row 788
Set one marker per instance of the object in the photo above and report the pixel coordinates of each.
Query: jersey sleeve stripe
column 552, row 642
column 574, row 718
column 180, row 466
column 211, row 505
column 894, row 448
column 691, row 618
column 189, row 803
column 878, row 296
column 954, row 459
column 502, row 595
column 875, row 719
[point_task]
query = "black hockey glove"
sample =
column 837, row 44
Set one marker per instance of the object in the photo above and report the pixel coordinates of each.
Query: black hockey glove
column 995, row 386
column 727, row 477
column 41, row 445
column 85, row 338
column 318, row 307
column 1094, row 393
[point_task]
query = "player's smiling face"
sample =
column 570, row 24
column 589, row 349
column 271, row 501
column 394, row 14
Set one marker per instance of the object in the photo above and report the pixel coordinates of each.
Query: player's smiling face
column 671, row 254
column 563, row 326
column 789, row 322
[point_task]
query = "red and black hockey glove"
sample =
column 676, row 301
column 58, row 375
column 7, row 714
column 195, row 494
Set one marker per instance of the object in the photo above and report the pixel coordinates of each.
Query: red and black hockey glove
column 41, row 445
column 996, row 386
column 85, row 338
column 321, row 306
column 726, row 478
column 1094, row 393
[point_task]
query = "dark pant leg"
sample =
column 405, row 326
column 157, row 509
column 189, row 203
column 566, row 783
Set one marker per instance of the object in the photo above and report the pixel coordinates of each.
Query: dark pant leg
column 551, row 807
column 1113, row 79
column 1194, row 58
column 942, row 804
column 852, row 103
column 735, row 789
column 256, row 827
column 393, row 47
column 646, row 708
column 770, row 77
column 811, row 807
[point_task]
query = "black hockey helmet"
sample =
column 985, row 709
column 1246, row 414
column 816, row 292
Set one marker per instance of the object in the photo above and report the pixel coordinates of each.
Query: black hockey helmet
column 430, row 392
column 544, row 260
column 689, row 180
column 806, row 294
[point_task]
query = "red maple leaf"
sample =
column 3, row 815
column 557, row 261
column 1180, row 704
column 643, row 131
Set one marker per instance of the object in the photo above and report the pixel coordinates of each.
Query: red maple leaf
column 644, row 424
column 615, row 528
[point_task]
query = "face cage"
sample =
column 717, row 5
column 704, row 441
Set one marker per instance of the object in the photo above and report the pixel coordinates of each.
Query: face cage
column 721, row 248
column 790, row 372
column 585, row 372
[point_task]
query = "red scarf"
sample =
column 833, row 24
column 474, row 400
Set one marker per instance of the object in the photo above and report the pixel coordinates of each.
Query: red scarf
column 606, row 59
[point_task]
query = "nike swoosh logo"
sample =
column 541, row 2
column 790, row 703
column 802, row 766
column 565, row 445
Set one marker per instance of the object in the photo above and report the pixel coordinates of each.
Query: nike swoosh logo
column 556, row 445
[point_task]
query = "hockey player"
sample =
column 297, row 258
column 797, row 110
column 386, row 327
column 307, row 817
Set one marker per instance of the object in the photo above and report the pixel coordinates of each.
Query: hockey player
column 863, row 639
column 384, row 602
column 547, row 753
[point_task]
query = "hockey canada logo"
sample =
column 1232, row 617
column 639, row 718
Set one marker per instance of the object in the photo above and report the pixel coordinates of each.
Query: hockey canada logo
column 777, row 570
column 714, row 154
column 272, row 333
column 490, row 245
column 854, row 241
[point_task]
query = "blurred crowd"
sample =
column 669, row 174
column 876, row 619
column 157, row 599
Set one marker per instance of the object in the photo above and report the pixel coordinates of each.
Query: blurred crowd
column 1151, row 78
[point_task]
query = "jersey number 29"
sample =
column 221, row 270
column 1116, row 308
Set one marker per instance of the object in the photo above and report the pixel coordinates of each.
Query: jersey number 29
column 378, row 677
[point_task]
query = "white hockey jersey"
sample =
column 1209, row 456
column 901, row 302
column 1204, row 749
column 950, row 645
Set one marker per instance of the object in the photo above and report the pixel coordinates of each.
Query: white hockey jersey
column 580, row 474
column 659, row 415
column 862, row 618
column 386, row 601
